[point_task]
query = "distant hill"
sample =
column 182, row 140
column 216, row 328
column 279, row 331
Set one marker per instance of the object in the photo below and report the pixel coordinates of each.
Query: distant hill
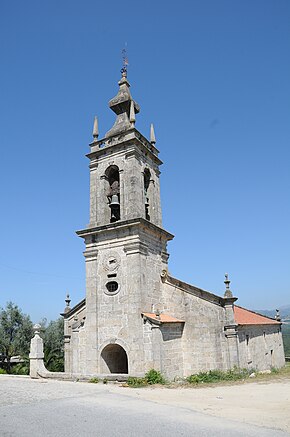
column 284, row 312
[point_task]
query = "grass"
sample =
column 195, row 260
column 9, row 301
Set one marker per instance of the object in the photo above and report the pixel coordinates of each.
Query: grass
column 234, row 375
column 212, row 376
column 136, row 382
column 94, row 380
column 283, row 373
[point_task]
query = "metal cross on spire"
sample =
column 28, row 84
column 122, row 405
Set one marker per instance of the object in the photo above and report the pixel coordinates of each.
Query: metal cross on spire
column 125, row 62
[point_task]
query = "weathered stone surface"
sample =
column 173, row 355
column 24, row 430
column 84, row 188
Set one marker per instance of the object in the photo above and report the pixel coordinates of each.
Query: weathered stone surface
column 127, row 275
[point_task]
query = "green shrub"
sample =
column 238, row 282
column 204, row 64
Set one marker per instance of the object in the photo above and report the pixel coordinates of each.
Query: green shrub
column 151, row 377
column 3, row 372
column 154, row 377
column 136, row 382
column 20, row 369
column 218, row 375
column 105, row 381
column 94, row 380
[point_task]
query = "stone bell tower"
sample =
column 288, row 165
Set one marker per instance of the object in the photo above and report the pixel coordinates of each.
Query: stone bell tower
column 125, row 243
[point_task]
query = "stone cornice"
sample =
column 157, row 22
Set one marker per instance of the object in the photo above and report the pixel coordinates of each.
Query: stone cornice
column 135, row 247
column 231, row 330
column 132, row 137
column 198, row 292
column 228, row 301
column 127, row 225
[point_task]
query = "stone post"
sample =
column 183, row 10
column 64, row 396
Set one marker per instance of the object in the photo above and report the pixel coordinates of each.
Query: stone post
column 231, row 332
column 36, row 354
column 231, row 327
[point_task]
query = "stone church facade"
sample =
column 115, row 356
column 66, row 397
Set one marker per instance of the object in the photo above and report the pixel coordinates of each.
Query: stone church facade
column 135, row 316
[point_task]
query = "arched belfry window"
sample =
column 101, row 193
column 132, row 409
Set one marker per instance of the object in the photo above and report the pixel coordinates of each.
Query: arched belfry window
column 147, row 176
column 113, row 194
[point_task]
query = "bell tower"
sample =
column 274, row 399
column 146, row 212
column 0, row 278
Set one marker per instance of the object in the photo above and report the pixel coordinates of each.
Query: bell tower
column 126, row 246
column 124, row 167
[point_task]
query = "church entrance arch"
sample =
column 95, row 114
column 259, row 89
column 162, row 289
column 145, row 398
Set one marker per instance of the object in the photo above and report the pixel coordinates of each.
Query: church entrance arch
column 114, row 359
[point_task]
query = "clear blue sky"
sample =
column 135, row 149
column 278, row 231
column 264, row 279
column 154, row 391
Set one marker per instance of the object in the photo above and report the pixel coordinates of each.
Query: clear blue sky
column 212, row 75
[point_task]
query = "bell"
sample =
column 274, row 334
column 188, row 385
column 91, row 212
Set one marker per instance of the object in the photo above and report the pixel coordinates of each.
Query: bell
column 115, row 201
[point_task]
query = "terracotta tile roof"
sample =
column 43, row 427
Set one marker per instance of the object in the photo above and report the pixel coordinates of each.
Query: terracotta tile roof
column 163, row 318
column 247, row 317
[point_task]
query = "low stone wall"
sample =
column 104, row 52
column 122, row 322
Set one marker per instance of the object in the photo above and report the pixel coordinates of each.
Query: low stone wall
column 38, row 369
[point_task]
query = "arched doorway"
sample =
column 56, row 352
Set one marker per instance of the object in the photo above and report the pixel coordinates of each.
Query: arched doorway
column 114, row 359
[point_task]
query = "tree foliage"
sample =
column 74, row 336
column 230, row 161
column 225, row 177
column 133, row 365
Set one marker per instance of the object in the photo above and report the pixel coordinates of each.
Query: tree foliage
column 53, row 345
column 16, row 331
column 286, row 339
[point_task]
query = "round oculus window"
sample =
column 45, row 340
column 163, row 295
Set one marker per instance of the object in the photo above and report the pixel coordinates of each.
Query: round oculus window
column 112, row 287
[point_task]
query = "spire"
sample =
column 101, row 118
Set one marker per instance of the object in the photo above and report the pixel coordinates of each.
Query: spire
column 96, row 129
column 123, row 104
column 152, row 135
column 227, row 282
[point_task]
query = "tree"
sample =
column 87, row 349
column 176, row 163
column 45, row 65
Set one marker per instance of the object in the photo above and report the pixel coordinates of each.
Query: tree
column 286, row 338
column 16, row 331
column 53, row 345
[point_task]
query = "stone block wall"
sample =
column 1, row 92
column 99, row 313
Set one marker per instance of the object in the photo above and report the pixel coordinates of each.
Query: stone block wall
column 261, row 347
column 131, row 257
column 172, row 364
column 203, row 343
column 163, row 348
column 75, row 341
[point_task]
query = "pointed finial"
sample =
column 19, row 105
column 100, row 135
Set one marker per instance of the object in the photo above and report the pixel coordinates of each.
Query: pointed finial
column 125, row 62
column 96, row 129
column 132, row 113
column 36, row 329
column 227, row 282
column 152, row 135
column 277, row 316
column 67, row 301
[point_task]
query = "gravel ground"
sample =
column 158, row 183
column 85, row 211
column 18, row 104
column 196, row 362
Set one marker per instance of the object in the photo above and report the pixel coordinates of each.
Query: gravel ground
column 264, row 403
column 61, row 408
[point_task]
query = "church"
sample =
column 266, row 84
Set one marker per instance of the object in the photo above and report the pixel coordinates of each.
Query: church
column 135, row 315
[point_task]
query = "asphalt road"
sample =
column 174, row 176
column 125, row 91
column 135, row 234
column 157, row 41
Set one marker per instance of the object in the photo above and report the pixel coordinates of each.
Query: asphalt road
column 55, row 408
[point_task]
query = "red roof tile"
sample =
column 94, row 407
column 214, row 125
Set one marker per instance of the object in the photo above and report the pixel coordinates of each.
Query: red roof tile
column 163, row 318
column 247, row 317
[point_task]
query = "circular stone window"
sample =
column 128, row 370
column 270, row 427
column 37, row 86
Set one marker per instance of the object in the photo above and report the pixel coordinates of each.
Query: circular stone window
column 112, row 287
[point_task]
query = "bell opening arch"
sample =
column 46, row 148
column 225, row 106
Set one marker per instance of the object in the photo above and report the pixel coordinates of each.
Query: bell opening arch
column 113, row 194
